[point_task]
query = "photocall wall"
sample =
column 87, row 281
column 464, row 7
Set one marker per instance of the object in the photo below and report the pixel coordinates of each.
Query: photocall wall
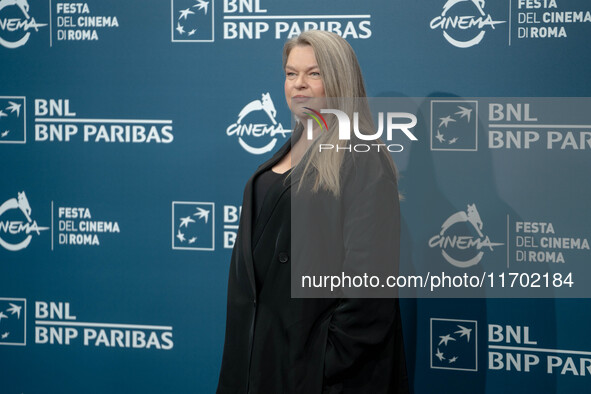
column 129, row 129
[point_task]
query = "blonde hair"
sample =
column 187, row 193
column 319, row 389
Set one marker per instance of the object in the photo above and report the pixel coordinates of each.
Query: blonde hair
column 344, row 89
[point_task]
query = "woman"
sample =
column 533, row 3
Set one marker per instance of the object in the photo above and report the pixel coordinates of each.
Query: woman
column 336, row 203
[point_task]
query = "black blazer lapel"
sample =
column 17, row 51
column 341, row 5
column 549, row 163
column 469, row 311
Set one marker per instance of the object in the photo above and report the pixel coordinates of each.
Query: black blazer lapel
column 247, row 214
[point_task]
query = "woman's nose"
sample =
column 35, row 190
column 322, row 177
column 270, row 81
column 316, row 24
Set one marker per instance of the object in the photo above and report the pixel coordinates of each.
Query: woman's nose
column 300, row 81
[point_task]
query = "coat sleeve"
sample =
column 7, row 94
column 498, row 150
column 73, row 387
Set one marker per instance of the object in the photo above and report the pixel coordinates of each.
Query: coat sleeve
column 371, row 234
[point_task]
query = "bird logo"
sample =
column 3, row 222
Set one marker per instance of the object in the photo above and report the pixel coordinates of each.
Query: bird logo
column 179, row 28
column 193, row 226
column 191, row 20
column 185, row 13
column 185, row 221
column 202, row 214
column 445, row 339
column 14, row 107
column 440, row 137
column 202, row 5
column 452, row 344
column 12, row 321
column 180, row 236
column 445, row 121
column 464, row 112
column 453, row 127
column 11, row 123
column 15, row 309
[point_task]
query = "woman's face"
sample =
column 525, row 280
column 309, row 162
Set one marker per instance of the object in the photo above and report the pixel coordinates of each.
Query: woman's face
column 303, row 83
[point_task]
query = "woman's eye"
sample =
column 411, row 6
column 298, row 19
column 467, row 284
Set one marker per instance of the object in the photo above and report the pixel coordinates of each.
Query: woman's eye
column 290, row 75
column 315, row 74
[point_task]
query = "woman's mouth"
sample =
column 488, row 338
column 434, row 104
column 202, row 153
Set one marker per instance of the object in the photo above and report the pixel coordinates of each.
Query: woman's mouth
column 300, row 99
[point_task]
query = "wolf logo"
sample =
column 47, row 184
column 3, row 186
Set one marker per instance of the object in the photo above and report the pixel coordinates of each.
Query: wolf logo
column 265, row 104
column 22, row 4
column 471, row 215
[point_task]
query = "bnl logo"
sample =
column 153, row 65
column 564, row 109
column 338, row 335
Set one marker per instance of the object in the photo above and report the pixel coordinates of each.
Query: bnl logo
column 454, row 344
column 454, row 125
column 12, row 120
column 193, row 225
column 192, row 20
column 13, row 321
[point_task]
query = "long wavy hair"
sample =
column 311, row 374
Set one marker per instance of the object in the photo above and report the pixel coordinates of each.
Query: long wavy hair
column 345, row 90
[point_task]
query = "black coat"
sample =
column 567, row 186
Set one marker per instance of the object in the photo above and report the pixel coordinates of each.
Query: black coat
column 277, row 344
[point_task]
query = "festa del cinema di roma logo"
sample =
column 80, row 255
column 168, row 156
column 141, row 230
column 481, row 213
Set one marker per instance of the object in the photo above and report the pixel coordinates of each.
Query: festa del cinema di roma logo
column 16, row 24
column 463, row 243
column 469, row 30
column 13, row 231
column 250, row 132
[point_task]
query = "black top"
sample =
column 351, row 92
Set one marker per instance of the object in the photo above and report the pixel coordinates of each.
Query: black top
column 263, row 185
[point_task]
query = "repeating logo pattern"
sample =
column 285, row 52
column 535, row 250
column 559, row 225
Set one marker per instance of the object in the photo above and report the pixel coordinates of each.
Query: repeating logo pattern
column 454, row 344
column 192, row 20
column 252, row 126
column 16, row 233
column 462, row 250
column 16, row 24
column 454, row 125
column 464, row 22
column 193, row 225
column 12, row 120
column 13, row 321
